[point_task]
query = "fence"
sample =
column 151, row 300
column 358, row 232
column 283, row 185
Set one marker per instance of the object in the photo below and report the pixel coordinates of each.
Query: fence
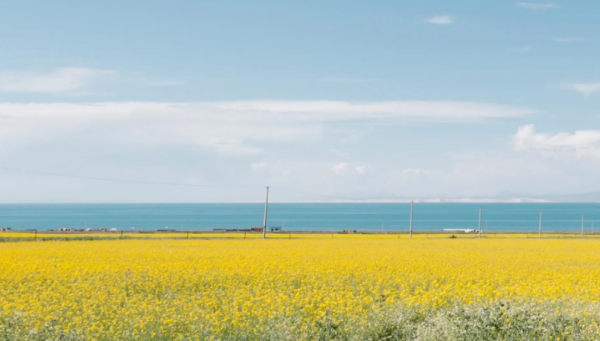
column 14, row 236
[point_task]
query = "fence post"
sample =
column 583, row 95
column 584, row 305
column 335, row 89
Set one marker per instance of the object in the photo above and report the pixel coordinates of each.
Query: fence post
column 540, row 232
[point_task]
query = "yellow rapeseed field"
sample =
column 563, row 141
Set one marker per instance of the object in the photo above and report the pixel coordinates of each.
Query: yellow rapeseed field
column 130, row 289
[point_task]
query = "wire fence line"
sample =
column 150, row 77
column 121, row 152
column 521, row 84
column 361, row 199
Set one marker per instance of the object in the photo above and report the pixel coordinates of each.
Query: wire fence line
column 32, row 236
column 298, row 222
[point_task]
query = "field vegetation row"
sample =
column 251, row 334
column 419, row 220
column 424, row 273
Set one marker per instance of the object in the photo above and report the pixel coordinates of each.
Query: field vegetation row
column 351, row 288
column 49, row 236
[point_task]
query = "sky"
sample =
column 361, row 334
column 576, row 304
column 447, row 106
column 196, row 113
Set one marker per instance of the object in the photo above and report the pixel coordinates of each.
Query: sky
column 321, row 100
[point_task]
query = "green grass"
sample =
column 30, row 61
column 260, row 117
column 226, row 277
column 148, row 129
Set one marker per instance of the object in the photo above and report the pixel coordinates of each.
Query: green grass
column 495, row 321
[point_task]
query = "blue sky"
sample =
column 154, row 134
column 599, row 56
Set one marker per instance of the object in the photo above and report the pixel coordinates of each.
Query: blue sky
column 377, row 100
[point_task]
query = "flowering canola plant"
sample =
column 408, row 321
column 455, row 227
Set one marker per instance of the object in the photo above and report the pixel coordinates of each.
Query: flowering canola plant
column 132, row 289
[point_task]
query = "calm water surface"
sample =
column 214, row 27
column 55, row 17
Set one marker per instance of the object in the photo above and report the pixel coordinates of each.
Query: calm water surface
column 312, row 216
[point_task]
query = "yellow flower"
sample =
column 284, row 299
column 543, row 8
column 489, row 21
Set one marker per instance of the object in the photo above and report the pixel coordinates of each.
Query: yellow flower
column 181, row 287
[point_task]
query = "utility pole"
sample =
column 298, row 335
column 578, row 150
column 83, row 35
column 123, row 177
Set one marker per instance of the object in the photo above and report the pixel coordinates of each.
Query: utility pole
column 266, row 210
column 411, row 220
column 540, row 225
column 479, row 221
column 582, row 221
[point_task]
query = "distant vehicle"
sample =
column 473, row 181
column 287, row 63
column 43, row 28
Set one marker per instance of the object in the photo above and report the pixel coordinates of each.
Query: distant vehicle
column 461, row 230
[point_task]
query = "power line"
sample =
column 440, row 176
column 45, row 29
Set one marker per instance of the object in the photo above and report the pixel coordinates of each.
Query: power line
column 71, row 176
column 317, row 194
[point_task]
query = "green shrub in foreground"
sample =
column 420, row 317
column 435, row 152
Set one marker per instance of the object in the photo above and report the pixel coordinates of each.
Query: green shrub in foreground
column 495, row 321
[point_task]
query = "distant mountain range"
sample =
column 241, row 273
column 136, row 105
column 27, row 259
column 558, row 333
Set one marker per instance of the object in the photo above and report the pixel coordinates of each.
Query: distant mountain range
column 502, row 197
column 506, row 197
column 520, row 197
column 581, row 197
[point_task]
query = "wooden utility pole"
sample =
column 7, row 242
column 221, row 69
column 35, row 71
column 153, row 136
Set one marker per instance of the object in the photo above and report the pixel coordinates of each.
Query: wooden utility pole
column 266, row 211
column 479, row 221
column 411, row 220
column 540, row 232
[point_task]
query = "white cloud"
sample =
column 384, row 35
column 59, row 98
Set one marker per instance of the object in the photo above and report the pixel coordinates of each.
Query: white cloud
column 225, row 127
column 361, row 170
column 324, row 111
column 259, row 166
column 412, row 172
column 336, row 152
column 536, row 6
column 585, row 88
column 340, row 168
column 440, row 20
column 581, row 142
column 66, row 79
column 567, row 40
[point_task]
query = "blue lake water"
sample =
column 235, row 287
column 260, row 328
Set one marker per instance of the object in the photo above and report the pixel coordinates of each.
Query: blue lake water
column 302, row 216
